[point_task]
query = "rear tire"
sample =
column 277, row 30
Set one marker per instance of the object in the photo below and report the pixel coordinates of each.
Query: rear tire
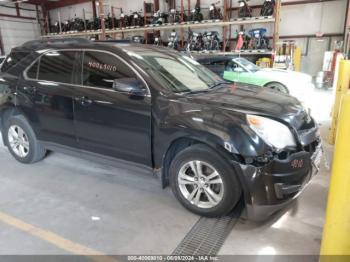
column 204, row 182
column 21, row 141
column 278, row 87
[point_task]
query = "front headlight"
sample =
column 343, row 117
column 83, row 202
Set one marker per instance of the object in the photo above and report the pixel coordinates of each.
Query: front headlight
column 272, row 132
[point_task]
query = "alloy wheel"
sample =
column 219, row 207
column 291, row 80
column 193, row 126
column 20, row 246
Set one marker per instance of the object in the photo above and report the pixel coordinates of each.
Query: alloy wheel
column 201, row 184
column 18, row 141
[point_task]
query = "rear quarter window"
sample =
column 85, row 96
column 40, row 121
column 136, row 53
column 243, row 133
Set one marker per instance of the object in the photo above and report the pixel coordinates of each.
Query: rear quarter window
column 13, row 59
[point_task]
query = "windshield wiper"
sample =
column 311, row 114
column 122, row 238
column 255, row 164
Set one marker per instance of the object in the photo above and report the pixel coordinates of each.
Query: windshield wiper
column 205, row 90
column 218, row 84
column 195, row 91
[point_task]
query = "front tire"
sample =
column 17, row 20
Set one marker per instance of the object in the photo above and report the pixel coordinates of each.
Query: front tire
column 21, row 141
column 204, row 182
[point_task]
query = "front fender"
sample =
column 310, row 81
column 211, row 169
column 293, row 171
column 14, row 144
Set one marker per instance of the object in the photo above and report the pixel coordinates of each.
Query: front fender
column 223, row 129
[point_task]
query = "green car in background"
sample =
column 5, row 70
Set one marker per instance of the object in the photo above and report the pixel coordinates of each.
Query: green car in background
column 238, row 69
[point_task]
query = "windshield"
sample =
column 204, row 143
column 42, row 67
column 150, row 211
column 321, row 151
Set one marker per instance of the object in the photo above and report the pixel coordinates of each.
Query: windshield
column 246, row 64
column 178, row 73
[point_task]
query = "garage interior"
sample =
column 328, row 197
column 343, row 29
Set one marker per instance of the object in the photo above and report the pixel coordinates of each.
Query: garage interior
column 67, row 205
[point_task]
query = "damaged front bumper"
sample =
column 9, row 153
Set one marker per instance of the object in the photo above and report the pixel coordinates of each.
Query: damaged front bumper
column 271, row 187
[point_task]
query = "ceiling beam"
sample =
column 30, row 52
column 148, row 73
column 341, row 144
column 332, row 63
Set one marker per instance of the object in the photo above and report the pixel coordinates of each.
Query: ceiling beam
column 58, row 4
column 19, row 17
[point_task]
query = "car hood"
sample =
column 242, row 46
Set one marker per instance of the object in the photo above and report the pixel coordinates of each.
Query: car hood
column 249, row 99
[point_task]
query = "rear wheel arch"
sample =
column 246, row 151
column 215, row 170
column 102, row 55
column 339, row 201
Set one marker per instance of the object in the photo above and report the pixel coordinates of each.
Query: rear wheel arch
column 24, row 146
column 9, row 111
column 6, row 113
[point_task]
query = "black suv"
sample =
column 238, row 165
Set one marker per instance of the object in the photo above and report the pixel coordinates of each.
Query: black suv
column 214, row 142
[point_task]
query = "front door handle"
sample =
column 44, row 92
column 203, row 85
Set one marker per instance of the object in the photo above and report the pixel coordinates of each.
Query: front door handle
column 84, row 101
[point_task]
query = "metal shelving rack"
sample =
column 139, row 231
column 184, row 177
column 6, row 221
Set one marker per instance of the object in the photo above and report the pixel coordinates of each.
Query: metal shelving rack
column 226, row 24
column 164, row 27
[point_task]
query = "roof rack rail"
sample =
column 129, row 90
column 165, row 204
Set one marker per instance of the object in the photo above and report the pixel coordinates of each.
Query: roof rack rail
column 38, row 43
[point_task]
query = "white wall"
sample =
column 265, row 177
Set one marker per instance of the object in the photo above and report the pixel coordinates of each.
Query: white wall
column 69, row 12
column 16, row 31
column 327, row 17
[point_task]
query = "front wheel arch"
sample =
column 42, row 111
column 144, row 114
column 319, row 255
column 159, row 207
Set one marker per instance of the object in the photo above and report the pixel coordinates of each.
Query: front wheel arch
column 228, row 194
column 182, row 143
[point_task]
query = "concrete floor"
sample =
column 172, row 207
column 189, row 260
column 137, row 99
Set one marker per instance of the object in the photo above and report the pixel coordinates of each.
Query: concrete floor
column 66, row 205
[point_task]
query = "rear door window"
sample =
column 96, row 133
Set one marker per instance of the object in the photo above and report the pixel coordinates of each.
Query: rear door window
column 57, row 66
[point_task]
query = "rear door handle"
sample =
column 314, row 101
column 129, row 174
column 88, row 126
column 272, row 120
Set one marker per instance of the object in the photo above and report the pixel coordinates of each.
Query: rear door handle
column 84, row 101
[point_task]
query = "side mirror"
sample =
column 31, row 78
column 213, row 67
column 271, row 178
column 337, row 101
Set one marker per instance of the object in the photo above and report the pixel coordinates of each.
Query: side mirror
column 132, row 86
column 238, row 70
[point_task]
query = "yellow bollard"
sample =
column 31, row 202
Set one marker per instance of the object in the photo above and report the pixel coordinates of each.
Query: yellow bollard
column 297, row 59
column 336, row 232
column 342, row 87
